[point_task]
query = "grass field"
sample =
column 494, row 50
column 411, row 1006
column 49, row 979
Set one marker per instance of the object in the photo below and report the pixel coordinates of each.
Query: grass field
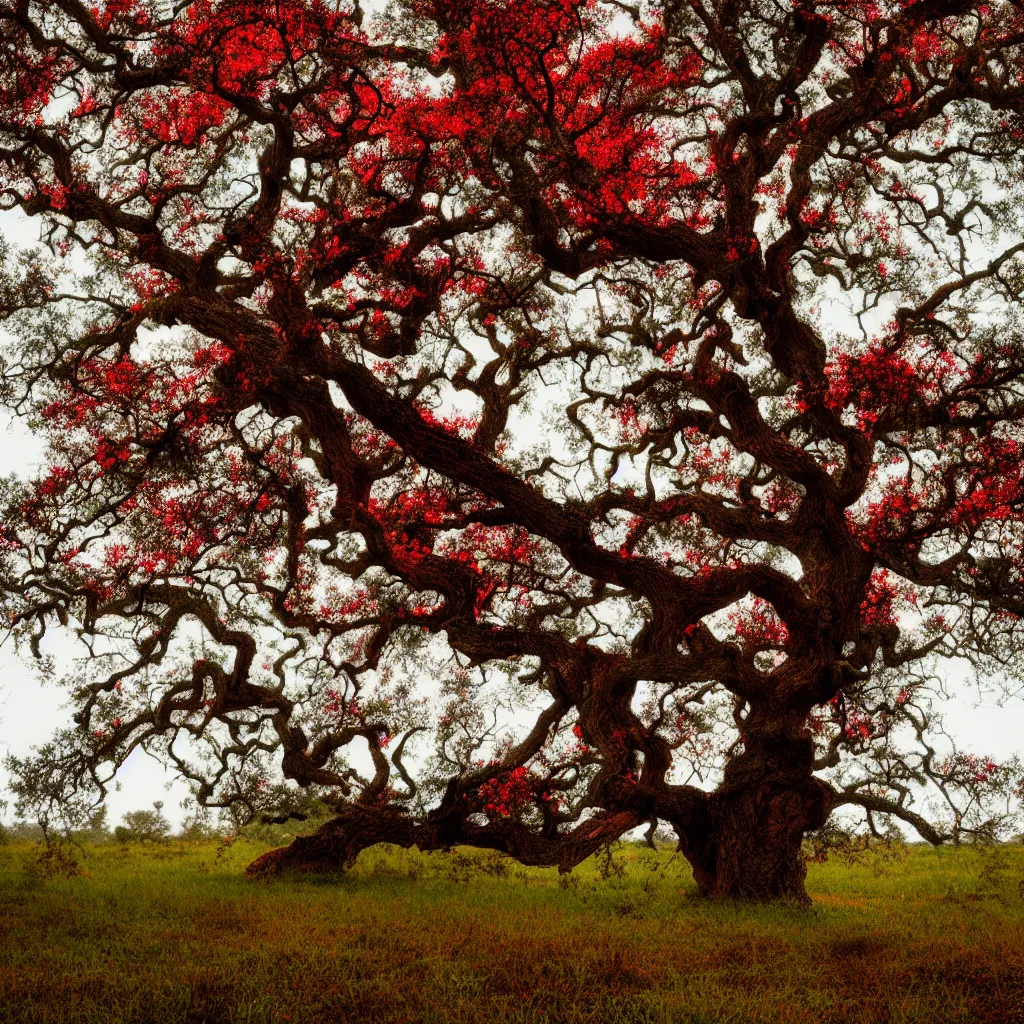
column 174, row 932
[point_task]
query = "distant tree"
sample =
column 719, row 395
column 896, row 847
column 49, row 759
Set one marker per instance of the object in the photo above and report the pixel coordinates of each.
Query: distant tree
column 197, row 824
column 144, row 826
column 96, row 828
column 499, row 419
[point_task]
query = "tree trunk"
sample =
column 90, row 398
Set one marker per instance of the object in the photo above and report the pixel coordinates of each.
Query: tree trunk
column 747, row 842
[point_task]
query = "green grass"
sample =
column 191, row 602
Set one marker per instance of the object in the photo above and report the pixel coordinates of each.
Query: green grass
column 176, row 933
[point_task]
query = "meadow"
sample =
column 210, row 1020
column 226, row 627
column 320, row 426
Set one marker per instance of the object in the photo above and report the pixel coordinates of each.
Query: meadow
column 173, row 932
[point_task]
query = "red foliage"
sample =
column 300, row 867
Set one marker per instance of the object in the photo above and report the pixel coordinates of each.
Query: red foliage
column 507, row 795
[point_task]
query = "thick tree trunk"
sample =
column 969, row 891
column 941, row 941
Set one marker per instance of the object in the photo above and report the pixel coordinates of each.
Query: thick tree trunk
column 750, row 844
column 747, row 842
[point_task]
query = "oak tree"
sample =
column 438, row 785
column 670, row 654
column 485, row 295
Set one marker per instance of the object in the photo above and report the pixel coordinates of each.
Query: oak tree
column 517, row 423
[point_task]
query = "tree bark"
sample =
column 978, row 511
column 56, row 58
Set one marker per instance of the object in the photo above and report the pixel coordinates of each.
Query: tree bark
column 336, row 844
column 747, row 842
column 750, row 847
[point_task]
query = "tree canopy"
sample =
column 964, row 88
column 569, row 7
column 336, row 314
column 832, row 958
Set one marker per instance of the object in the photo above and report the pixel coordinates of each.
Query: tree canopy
column 516, row 423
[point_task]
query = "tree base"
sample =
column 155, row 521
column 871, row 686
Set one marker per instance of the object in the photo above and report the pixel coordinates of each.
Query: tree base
column 748, row 846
